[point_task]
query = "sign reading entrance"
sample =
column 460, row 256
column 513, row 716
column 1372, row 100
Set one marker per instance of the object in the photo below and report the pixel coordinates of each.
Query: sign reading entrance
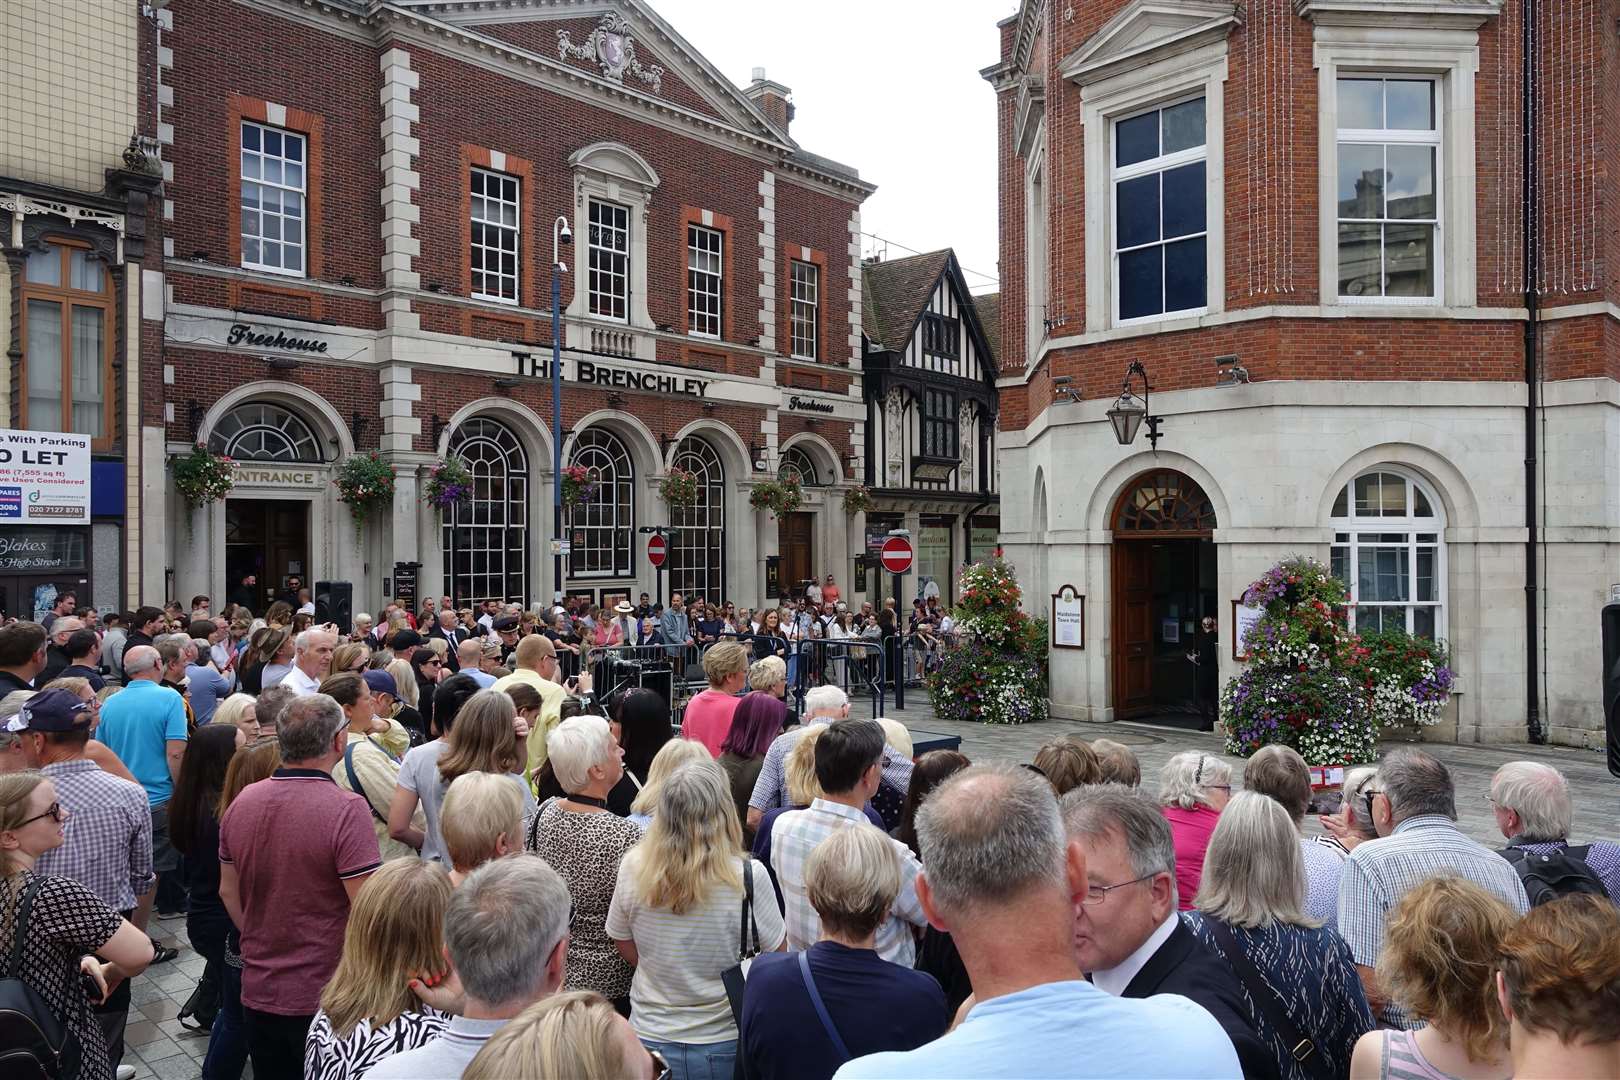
column 249, row 475
column 1068, row 619
column 897, row 555
column 656, row 551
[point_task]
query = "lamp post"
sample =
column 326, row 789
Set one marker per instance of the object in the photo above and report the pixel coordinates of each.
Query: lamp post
column 1129, row 411
column 561, row 235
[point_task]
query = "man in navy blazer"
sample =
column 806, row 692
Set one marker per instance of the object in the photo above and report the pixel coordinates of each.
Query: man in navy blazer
column 1128, row 934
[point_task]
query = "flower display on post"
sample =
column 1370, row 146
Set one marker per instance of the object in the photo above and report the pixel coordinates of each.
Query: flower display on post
column 778, row 496
column 365, row 483
column 858, row 500
column 449, row 485
column 202, row 476
column 678, row 488
column 579, row 485
column 996, row 673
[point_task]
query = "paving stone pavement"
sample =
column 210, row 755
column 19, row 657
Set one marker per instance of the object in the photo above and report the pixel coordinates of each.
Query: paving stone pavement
column 154, row 1042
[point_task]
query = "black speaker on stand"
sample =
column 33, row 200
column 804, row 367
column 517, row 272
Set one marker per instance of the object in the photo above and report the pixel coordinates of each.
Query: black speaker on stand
column 334, row 603
column 1611, row 682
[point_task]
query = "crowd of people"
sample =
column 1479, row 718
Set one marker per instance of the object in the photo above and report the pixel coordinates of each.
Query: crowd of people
column 438, row 854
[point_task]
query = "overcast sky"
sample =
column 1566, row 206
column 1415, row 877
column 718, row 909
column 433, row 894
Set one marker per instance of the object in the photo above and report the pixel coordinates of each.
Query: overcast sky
column 891, row 87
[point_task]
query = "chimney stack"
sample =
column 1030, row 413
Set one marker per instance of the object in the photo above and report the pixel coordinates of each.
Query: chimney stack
column 771, row 98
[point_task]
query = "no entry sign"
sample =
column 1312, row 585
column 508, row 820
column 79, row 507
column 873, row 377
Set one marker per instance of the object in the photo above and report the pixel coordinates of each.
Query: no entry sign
column 897, row 555
column 656, row 552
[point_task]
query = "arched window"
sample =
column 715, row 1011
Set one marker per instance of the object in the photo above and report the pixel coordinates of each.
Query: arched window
column 1165, row 503
column 798, row 465
column 698, row 553
column 263, row 431
column 1387, row 548
column 602, row 526
column 486, row 540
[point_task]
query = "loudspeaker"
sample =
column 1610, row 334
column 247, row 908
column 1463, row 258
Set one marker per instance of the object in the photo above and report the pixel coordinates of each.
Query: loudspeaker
column 334, row 603
column 1611, row 683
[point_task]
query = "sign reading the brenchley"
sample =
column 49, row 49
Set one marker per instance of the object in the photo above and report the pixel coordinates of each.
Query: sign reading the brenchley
column 44, row 477
column 596, row 373
column 244, row 334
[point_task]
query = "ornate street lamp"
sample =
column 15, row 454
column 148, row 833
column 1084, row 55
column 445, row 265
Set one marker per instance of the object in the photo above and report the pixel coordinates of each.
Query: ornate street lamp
column 1129, row 411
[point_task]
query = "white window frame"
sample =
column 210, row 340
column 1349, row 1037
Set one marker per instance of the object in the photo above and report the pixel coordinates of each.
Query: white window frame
column 1449, row 56
column 515, row 230
column 1037, row 258
column 611, row 172
column 1410, row 527
column 1196, row 72
column 695, row 313
column 302, row 191
column 1155, row 165
column 798, row 300
column 621, row 299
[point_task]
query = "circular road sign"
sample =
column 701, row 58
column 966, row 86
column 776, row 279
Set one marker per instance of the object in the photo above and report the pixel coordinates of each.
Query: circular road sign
column 897, row 555
column 656, row 552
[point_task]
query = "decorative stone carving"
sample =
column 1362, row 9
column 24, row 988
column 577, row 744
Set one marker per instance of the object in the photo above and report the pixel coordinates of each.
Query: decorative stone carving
column 611, row 46
column 22, row 207
column 894, row 409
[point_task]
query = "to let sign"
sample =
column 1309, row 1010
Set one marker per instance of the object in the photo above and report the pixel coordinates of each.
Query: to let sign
column 897, row 555
column 656, row 551
column 44, row 477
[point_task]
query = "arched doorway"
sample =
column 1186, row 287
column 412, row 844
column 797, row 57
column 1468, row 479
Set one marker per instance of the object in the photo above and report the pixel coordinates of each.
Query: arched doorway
column 1163, row 585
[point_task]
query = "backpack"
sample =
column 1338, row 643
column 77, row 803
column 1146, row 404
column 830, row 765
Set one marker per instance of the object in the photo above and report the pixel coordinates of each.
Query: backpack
column 34, row 1043
column 1557, row 873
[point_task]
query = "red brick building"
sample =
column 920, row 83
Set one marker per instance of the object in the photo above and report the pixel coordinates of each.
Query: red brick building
column 1307, row 220
column 356, row 257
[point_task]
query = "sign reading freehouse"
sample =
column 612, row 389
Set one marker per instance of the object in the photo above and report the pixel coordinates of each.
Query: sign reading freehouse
column 44, row 477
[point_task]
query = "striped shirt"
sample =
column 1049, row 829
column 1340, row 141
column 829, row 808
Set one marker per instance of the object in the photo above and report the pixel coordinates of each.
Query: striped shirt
column 108, row 848
column 1379, row 872
column 796, row 835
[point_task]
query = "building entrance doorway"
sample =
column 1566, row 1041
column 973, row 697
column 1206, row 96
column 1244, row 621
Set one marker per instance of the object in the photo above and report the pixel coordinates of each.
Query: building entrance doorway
column 793, row 533
column 270, row 539
column 1165, row 666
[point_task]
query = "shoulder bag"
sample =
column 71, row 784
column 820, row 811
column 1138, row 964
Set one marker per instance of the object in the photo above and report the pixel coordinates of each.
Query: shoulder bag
column 354, row 780
column 34, row 1043
column 821, row 1007
column 1265, row 999
column 747, row 946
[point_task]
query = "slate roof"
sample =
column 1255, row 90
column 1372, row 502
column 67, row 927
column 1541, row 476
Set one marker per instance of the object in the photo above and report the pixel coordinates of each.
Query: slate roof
column 988, row 307
column 894, row 293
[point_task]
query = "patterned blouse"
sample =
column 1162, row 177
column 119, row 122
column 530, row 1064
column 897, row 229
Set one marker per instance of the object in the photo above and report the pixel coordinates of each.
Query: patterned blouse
column 327, row 1057
column 67, row 922
column 585, row 849
column 1312, row 971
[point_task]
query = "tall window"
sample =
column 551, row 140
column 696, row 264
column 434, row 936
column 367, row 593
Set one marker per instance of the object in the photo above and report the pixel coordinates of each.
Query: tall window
column 797, row 465
column 939, row 424
column 485, row 539
column 609, row 260
column 603, row 524
column 67, row 360
column 703, row 276
column 1160, row 218
column 273, row 190
column 804, row 304
column 698, row 552
column 495, row 223
column 261, row 431
column 1389, row 154
column 1387, row 549
column 942, row 336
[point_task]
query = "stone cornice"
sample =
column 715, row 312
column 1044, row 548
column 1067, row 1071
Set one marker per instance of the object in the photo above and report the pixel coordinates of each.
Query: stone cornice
column 1440, row 14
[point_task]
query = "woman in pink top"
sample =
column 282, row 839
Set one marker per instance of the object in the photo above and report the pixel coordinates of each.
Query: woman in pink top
column 707, row 718
column 1193, row 788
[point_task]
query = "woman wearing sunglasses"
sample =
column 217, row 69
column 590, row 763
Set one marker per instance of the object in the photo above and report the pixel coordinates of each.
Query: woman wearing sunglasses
column 66, row 922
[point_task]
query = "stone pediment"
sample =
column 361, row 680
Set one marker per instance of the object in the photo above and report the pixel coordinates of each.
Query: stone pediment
column 1146, row 31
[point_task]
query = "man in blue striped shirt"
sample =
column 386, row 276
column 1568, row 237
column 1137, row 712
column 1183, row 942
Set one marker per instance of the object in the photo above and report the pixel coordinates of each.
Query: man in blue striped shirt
column 1534, row 811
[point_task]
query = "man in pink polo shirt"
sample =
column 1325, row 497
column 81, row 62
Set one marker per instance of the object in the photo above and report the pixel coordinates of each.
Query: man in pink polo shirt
column 708, row 716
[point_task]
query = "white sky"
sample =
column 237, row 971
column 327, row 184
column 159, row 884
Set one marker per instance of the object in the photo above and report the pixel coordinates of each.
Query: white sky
column 890, row 87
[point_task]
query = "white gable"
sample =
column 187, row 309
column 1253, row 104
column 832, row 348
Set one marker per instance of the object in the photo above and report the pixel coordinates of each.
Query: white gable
column 1149, row 30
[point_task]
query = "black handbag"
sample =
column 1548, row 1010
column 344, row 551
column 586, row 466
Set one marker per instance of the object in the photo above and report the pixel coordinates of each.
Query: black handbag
column 34, row 1043
column 735, row 976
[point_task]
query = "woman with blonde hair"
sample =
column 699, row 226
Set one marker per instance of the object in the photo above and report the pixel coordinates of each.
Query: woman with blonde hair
column 1251, row 913
column 571, row 1036
column 1193, row 787
column 671, row 756
column 1442, row 944
column 675, row 917
column 239, row 709
column 350, row 656
column 368, row 1012
column 482, row 819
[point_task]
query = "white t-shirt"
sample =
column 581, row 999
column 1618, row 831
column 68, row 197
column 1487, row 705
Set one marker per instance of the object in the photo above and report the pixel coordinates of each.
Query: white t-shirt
column 301, row 684
column 419, row 773
column 677, row 995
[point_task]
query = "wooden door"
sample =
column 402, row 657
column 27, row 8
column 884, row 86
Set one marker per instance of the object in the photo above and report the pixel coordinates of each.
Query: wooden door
column 1133, row 627
column 798, row 560
column 287, row 541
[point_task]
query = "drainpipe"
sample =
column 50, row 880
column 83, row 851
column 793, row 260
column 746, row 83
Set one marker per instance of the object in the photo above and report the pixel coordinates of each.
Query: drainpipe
column 1532, row 278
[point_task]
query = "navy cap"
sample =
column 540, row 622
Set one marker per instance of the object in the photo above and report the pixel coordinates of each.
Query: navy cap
column 506, row 623
column 52, row 710
column 404, row 639
column 381, row 682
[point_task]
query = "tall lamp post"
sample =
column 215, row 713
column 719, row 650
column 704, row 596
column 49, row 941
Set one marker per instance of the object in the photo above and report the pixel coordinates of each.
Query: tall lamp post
column 1129, row 411
column 561, row 236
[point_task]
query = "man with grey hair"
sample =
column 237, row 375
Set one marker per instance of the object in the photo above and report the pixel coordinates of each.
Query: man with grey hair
column 1128, row 933
column 1001, row 878
column 1534, row 811
column 293, row 852
column 56, row 657
column 205, row 686
column 500, row 972
column 312, row 660
column 1414, row 808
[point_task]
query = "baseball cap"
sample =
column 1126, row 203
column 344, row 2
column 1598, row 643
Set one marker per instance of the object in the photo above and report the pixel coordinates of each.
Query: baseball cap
column 52, row 710
column 381, row 682
column 404, row 639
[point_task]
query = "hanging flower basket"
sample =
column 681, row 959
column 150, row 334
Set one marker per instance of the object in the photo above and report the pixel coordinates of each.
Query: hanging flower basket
column 678, row 488
column 202, row 476
column 778, row 496
column 579, row 485
column 366, row 483
column 449, row 485
column 858, row 500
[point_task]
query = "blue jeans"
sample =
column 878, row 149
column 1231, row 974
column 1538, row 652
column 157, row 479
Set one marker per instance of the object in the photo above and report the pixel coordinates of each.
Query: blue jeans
column 227, row 1040
column 697, row 1061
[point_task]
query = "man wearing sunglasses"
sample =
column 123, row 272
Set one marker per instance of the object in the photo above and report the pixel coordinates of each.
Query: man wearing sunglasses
column 536, row 660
